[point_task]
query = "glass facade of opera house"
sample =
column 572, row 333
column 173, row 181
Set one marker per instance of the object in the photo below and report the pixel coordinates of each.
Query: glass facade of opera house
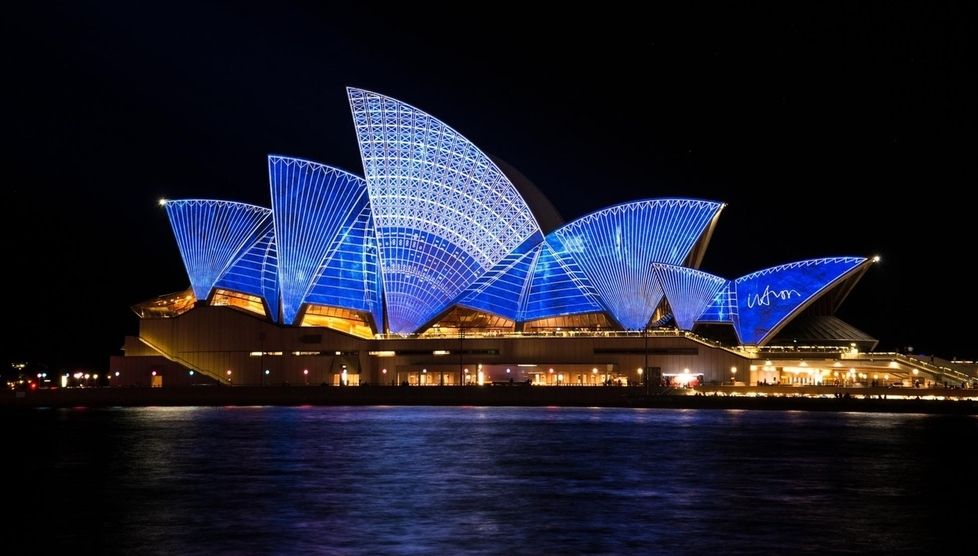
column 441, row 265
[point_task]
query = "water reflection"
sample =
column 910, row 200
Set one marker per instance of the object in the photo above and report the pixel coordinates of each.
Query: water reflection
column 491, row 480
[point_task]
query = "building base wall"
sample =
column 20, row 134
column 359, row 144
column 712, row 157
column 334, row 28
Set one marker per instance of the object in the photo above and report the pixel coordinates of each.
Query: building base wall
column 235, row 348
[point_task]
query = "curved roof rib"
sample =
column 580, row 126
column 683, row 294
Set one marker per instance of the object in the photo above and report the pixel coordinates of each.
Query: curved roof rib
column 543, row 210
column 211, row 235
column 557, row 287
column 688, row 291
column 500, row 291
column 616, row 246
column 315, row 206
column 722, row 309
column 769, row 298
column 256, row 271
column 349, row 277
column 444, row 213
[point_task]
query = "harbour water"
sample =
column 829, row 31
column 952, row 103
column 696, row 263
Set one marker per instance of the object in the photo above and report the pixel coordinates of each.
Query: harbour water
column 448, row 480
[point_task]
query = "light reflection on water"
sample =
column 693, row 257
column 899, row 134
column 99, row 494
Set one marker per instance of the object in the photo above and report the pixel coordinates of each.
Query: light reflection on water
column 490, row 480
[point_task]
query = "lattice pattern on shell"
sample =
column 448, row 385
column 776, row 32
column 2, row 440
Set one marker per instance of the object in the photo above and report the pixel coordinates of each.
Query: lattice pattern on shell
column 444, row 213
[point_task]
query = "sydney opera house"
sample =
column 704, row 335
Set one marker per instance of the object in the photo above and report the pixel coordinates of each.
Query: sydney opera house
column 440, row 265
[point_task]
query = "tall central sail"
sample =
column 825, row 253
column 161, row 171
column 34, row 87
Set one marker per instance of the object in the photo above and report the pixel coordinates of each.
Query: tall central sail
column 444, row 213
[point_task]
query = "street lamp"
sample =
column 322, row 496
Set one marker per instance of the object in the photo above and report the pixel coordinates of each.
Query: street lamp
column 305, row 376
column 229, row 377
column 733, row 376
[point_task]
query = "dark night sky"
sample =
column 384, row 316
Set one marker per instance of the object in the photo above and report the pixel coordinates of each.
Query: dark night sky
column 829, row 130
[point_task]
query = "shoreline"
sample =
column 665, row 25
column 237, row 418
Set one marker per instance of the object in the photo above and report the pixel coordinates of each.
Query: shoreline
column 519, row 396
